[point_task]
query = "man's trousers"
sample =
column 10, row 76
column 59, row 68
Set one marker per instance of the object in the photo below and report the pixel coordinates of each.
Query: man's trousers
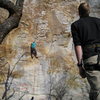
column 93, row 78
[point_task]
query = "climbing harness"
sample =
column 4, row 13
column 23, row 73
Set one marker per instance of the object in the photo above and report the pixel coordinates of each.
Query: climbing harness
column 96, row 65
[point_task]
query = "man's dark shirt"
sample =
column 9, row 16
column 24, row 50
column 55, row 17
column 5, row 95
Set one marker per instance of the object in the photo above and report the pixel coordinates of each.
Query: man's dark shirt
column 86, row 31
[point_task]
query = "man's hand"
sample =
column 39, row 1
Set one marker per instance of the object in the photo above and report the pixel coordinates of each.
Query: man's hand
column 82, row 72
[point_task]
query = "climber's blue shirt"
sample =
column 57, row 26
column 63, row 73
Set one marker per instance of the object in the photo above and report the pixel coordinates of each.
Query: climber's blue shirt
column 33, row 45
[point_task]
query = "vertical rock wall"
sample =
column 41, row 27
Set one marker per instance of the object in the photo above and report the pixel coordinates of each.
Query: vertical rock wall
column 54, row 75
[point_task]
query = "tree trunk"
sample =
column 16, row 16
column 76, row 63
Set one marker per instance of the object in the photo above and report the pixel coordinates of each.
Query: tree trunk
column 15, row 13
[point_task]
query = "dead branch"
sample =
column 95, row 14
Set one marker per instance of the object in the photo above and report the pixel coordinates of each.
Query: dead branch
column 8, row 82
column 15, row 13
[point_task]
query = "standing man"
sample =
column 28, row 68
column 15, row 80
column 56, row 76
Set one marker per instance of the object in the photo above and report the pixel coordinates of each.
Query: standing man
column 86, row 38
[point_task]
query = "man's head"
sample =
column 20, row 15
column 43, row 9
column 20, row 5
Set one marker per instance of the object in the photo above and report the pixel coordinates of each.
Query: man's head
column 84, row 9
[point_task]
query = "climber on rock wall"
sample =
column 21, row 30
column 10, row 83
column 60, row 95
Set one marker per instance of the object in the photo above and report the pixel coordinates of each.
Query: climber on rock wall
column 86, row 38
column 33, row 50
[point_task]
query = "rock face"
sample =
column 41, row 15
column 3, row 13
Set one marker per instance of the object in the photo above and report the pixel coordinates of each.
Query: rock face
column 54, row 75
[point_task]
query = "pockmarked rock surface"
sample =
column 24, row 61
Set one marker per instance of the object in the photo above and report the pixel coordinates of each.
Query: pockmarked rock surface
column 54, row 75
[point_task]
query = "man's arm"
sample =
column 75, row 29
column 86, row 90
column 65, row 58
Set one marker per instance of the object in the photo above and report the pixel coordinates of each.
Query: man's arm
column 79, row 53
column 78, row 49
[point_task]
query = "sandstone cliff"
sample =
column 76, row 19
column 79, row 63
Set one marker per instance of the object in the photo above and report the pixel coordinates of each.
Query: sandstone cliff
column 54, row 75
